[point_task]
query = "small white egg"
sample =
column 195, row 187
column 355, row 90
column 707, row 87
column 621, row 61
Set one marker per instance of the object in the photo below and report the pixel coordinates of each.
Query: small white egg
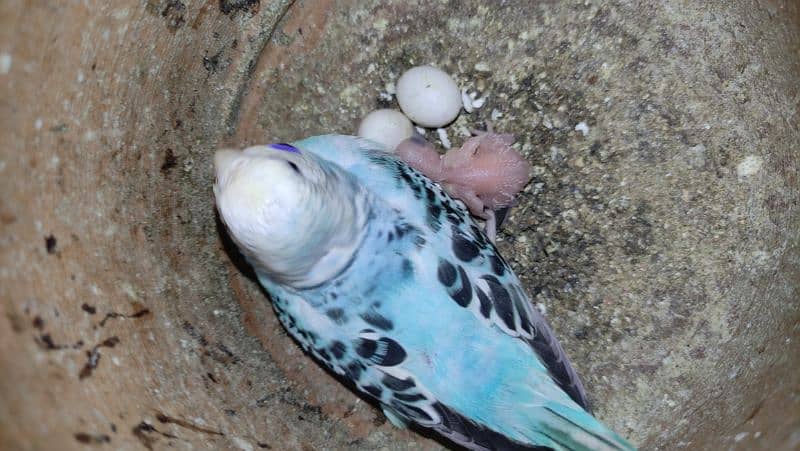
column 387, row 127
column 428, row 96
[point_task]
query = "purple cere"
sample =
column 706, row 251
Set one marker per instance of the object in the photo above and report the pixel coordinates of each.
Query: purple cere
column 285, row 147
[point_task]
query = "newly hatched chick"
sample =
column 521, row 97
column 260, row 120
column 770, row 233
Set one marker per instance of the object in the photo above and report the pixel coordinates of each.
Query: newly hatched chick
column 485, row 173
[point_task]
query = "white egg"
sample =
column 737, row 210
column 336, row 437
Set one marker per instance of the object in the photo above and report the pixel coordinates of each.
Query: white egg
column 428, row 96
column 387, row 127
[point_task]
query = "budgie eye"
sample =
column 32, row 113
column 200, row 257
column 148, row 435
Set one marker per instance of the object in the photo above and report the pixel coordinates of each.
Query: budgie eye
column 285, row 147
column 295, row 168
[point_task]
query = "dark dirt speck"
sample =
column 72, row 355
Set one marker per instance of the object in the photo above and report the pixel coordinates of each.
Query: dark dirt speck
column 89, row 439
column 581, row 334
column 174, row 13
column 232, row 6
column 46, row 342
column 170, row 161
column 50, row 244
column 211, row 63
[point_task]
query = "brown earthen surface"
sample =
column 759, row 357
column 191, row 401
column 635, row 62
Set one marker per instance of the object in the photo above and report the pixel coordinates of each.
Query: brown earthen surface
column 663, row 241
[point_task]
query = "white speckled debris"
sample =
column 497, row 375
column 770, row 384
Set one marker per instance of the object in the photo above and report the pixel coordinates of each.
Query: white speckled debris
column 445, row 140
column 582, row 127
column 750, row 165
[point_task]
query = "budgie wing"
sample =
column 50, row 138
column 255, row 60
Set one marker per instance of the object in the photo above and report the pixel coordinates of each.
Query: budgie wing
column 373, row 362
column 475, row 274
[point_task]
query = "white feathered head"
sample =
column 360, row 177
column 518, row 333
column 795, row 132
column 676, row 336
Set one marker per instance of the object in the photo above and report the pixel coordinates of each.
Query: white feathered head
column 296, row 217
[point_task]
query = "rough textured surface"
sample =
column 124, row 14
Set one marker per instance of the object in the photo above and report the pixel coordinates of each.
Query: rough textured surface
column 662, row 240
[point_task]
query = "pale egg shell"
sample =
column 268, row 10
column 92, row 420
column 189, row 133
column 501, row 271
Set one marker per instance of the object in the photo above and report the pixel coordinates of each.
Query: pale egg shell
column 428, row 96
column 387, row 127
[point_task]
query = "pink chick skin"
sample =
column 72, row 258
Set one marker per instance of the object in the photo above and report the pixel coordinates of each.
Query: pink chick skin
column 485, row 173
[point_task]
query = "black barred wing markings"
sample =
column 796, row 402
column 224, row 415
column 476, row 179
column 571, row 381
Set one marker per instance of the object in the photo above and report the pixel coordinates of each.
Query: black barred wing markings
column 379, row 350
column 331, row 352
column 485, row 285
column 476, row 277
column 372, row 361
column 376, row 370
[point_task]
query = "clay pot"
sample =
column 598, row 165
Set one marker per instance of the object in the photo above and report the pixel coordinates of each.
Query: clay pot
column 659, row 232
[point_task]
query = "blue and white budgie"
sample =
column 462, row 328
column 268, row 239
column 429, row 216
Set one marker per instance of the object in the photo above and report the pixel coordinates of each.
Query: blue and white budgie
column 390, row 283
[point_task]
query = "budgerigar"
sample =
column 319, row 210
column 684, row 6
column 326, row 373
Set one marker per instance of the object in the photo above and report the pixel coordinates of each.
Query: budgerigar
column 388, row 281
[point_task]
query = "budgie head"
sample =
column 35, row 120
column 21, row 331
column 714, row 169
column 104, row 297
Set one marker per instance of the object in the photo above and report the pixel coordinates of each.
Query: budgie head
column 297, row 218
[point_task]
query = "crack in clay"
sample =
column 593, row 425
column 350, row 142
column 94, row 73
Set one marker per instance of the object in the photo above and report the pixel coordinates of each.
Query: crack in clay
column 186, row 424
column 113, row 315
column 46, row 342
column 93, row 356
column 142, row 430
